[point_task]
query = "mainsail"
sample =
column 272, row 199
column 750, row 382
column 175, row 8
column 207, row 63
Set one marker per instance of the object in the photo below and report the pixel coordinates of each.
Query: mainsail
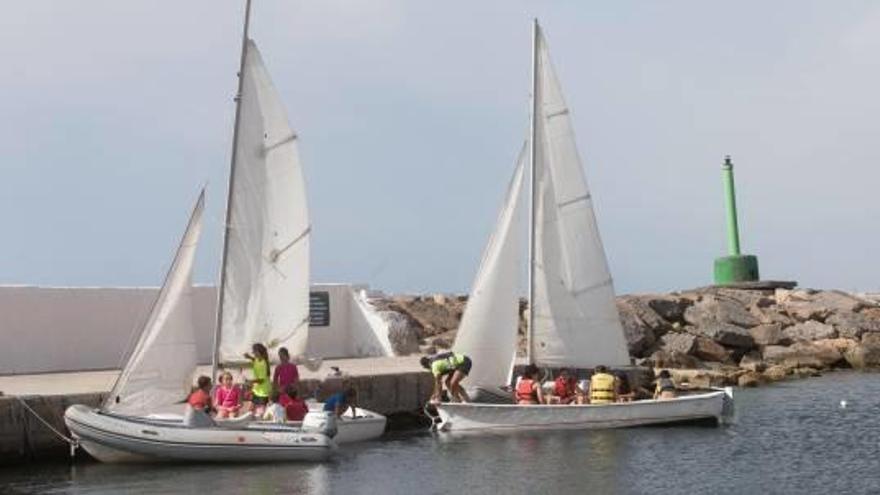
column 158, row 372
column 265, row 281
column 576, row 322
column 487, row 332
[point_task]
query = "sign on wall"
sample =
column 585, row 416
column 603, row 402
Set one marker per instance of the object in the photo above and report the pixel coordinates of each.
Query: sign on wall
column 319, row 309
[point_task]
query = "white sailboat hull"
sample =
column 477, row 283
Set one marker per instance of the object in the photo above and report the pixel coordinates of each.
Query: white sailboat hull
column 498, row 417
column 114, row 438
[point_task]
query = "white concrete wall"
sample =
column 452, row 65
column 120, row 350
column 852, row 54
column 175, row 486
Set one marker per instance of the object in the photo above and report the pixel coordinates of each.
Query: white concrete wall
column 50, row 329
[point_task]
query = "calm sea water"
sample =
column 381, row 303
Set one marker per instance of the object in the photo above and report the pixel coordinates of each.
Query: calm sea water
column 792, row 437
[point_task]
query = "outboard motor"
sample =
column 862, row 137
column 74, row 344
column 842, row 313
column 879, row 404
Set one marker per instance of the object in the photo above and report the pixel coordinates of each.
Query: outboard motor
column 323, row 422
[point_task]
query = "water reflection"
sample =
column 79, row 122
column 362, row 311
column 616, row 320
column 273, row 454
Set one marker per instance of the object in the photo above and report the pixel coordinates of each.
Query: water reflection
column 792, row 438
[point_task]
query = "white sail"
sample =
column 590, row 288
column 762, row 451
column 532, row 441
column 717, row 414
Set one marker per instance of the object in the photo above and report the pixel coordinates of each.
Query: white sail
column 158, row 372
column 487, row 332
column 576, row 319
column 266, row 291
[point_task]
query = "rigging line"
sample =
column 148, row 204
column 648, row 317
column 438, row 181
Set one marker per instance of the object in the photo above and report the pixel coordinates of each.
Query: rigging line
column 73, row 442
column 299, row 325
column 276, row 253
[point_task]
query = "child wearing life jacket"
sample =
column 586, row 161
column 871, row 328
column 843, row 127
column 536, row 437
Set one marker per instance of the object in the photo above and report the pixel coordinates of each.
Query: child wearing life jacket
column 528, row 388
column 564, row 387
column 227, row 397
column 665, row 388
column 200, row 398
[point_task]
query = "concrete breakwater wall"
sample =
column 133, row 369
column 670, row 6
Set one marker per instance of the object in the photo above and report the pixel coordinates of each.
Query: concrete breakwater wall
column 24, row 438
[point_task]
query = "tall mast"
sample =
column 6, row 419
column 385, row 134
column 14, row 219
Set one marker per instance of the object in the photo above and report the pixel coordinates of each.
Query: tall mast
column 215, row 358
column 530, row 330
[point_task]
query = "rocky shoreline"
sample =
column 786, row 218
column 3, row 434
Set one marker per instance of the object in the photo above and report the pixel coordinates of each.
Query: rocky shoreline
column 711, row 336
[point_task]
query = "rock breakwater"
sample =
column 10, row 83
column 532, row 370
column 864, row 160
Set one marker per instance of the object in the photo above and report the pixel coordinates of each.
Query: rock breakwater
column 708, row 336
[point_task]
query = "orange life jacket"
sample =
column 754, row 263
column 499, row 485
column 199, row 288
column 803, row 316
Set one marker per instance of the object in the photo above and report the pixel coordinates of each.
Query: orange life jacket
column 525, row 391
column 563, row 387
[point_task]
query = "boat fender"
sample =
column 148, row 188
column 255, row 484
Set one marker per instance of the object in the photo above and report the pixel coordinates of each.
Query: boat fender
column 320, row 422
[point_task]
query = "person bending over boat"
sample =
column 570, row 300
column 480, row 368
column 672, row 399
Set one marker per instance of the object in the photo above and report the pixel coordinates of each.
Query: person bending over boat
column 528, row 387
column 665, row 388
column 339, row 402
column 603, row 386
column 261, row 385
column 455, row 367
column 227, row 397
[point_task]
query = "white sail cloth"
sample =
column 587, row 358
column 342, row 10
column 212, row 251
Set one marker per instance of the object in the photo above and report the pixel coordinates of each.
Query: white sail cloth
column 576, row 322
column 266, row 291
column 487, row 333
column 158, row 372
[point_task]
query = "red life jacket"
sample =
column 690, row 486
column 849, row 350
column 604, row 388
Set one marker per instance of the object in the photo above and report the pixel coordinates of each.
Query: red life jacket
column 563, row 388
column 525, row 391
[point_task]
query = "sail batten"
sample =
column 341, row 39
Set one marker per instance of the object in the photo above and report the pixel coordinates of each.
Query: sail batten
column 266, row 269
column 158, row 372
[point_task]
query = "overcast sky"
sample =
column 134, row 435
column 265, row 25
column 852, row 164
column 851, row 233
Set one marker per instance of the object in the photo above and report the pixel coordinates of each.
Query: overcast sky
column 410, row 114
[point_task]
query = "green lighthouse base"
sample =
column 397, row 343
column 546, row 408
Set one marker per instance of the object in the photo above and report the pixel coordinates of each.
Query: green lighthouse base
column 734, row 269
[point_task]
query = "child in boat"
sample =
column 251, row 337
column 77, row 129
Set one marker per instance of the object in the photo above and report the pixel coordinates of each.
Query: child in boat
column 200, row 398
column 604, row 387
column 564, row 388
column 295, row 407
column 227, row 397
column 339, row 402
column 261, row 385
column 274, row 410
column 665, row 388
column 455, row 367
column 286, row 372
column 625, row 393
column 528, row 387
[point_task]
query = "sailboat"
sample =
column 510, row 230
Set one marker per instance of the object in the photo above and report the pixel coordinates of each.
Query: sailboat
column 263, row 298
column 572, row 320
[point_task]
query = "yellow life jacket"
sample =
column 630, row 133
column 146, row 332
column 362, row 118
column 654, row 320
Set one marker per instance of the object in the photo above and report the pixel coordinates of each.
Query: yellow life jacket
column 602, row 389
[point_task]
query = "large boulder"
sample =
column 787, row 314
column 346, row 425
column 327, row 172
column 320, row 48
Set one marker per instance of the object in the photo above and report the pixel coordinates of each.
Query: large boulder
column 776, row 373
column 683, row 343
column 725, row 334
column 853, row 325
column 672, row 359
column 810, row 330
column 821, row 305
column 669, row 308
column 863, row 356
column 752, row 362
column 750, row 379
column 769, row 334
column 803, row 355
column 713, row 309
column 641, row 324
column 403, row 335
column 709, row 350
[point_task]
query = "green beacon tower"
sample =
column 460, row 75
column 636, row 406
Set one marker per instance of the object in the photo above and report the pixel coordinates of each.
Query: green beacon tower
column 735, row 267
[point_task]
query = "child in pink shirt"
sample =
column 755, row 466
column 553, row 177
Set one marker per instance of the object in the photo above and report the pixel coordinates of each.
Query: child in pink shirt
column 227, row 398
column 286, row 372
